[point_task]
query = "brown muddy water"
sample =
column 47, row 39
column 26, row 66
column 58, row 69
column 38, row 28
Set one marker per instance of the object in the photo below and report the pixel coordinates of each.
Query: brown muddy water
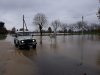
column 65, row 55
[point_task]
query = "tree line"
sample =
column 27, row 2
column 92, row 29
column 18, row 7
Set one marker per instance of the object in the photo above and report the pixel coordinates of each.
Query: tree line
column 80, row 27
column 3, row 29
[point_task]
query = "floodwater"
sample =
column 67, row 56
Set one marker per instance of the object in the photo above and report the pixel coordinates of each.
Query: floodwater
column 63, row 55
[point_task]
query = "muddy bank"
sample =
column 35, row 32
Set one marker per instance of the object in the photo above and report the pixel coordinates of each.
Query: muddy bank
column 13, row 62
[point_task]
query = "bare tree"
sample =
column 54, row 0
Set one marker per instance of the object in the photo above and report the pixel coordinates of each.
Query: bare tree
column 55, row 25
column 40, row 20
column 81, row 26
column 94, row 26
column 71, row 28
column 63, row 27
column 49, row 30
column 13, row 30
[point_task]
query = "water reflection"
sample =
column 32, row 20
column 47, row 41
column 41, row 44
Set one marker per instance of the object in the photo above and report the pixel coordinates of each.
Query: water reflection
column 3, row 37
column 98, row 58
column 80, row 43
column 54, row 43
column 64, row 40
column 93, row 37
column 40, row 40
column 27, row 53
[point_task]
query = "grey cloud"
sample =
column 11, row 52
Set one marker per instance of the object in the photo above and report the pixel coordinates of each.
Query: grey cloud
column 12, row 10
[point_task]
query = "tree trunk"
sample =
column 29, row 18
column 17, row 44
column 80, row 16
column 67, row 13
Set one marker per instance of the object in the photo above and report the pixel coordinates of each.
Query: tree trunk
column 41, row 40
column 41, row 32
column 40, row 27
column 64, row 32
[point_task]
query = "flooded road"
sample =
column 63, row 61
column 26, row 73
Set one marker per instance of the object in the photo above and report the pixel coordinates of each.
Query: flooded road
column 63, row 55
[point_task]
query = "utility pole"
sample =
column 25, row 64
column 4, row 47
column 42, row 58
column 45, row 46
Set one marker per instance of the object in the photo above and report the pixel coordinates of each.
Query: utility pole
column 82, row 24
column 82, row 18
column 23, row 24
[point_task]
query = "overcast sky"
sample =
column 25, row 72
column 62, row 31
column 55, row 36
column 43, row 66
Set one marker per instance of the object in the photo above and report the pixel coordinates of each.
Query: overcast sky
column 68, row 11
